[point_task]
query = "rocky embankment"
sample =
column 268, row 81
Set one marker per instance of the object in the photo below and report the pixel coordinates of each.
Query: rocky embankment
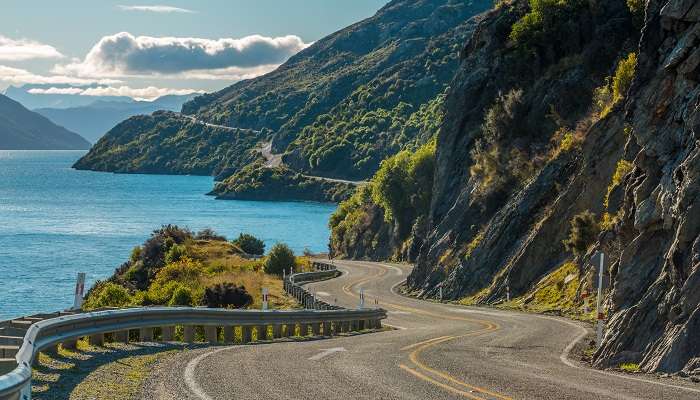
column 586, row 141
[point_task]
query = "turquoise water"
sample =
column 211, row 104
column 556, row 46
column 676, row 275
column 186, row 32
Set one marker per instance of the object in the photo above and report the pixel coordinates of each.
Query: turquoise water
column 55, row 222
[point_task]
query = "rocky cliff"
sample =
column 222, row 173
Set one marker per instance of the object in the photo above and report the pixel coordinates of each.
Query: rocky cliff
column 570, row 128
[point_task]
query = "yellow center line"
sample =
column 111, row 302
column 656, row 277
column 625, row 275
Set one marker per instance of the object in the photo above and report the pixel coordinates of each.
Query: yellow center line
column 414, row 357
column 438, row 383
column 424, row 342
column 488, row 326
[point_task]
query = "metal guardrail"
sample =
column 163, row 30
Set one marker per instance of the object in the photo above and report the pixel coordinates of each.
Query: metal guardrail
column 293, row 286
column 66, row 329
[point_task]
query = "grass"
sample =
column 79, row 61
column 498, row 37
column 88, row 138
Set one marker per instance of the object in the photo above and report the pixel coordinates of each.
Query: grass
column 555, row 293
column 115, row 371
column 630, row 367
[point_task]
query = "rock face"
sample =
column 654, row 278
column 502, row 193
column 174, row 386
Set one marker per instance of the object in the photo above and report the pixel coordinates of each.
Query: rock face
column 655, row 298
column 635, row 167
column 21, row 129
column 336, row 109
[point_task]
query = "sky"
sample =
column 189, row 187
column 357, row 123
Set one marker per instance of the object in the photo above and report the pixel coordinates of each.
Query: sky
column 148, row 49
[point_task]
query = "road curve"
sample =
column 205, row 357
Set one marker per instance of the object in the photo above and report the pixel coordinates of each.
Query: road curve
column 437, row 351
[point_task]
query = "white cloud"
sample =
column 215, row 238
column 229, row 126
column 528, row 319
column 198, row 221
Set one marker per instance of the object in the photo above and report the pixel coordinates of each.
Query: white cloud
column 23, row 49
column 123, row 55
column 157, row 9
column 147, row 93
column 56, row 90
column 18, row 76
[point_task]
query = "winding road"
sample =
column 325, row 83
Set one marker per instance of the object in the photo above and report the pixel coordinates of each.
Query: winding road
column 436, row 351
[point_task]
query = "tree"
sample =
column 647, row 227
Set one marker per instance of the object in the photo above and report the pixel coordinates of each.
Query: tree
column 280, row 258
column 250, row 244
column 584, row 231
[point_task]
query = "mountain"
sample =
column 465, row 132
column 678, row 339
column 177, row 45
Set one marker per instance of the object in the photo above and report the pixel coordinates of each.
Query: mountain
column 336, row 109
column 569, row 129
column 95, row 119
column 21, row 129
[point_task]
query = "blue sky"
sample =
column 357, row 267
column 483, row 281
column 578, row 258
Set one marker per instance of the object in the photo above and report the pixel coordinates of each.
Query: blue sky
column 146, row 49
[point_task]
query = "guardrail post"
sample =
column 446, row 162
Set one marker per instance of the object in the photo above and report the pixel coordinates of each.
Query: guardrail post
column 247, row 334
column 261, row 332
column 168, row 333
column 303, row 329
column 146, row 335
column 327, row 329
column 210, row 334
column 121, row 337
column 346, row 326
column 188, row 333
column 276, row 331
column 70, row 344
column 97, row 339
column 289, row 330
column 316, row 329
column 337, row 330
column 228, row 334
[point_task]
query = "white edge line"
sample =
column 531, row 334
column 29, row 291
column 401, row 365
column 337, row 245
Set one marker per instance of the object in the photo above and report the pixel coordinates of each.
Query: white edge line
column 190, row 379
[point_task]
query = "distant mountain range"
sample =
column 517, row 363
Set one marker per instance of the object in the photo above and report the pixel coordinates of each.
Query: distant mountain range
column 21, row 129
column 90, row 116
column 94, row 120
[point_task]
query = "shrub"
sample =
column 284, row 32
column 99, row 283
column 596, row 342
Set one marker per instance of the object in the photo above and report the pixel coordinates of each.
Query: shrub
column 280, row 258
column 182, row 296
column 622, row 168
column 615, row 87
column 176, row 253
column 227, row 295
column 547, row 22
column 250, row 244
column 185, row 271
column 108, row 295
column 583, row 233
column 210, row 234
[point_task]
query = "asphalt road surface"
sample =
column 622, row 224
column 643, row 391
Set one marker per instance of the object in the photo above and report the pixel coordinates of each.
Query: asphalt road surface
column 436, row 351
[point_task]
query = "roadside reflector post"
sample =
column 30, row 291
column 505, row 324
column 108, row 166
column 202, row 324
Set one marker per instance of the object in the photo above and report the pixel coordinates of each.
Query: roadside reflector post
column 599, row 302
column 265, row 293
column 79, row 291
column 507, row 291
column 362, row 298
column 441, row 293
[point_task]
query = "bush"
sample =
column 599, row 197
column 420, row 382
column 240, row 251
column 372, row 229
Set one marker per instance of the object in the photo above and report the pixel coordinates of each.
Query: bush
column 584, row 232
column 280, row 258
column 184, row 271
column 616, row 87
column 176, row 253
column 209, row 234
column 108, row 295
column 547, row 22
column 250, row 244
column 182, row 296
column 227, row 295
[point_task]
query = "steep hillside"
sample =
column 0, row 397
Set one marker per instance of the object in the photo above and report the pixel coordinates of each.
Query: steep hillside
column 586, row 142
column 335, row 109
column 21, row 129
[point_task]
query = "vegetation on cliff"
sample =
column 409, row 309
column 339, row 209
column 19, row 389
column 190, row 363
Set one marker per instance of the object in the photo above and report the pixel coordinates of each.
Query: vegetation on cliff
column 176, row 267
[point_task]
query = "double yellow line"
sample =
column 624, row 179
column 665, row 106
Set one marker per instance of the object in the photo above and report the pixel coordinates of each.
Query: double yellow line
column 453, row 384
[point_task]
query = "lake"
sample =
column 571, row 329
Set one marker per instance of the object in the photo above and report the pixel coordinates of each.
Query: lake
column 56, row 222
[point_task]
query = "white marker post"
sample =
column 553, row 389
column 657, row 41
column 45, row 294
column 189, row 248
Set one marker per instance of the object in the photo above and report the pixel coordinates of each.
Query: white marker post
column 79, row 291
column 265, row 292
column 362, row 298
column 599, row 304
column 441, row 294
column 508, row 292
